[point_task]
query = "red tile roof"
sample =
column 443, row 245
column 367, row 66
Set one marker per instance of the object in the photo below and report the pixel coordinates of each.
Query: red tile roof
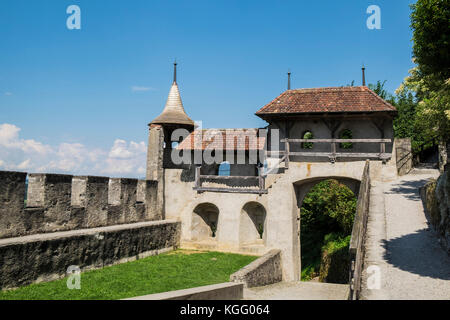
column 326, row 100
column 223, row 139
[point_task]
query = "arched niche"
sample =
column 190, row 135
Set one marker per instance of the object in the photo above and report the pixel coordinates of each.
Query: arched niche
column 252, row 226
column 205, row 221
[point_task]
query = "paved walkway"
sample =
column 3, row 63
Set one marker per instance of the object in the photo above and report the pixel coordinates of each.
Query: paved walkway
column 298, row 291
column 402, row 244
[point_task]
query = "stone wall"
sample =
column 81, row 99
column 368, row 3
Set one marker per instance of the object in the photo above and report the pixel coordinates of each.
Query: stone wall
column 263, row 271
column 404, row 155
column 46, row 257
column 57, row 202
column 436, row 199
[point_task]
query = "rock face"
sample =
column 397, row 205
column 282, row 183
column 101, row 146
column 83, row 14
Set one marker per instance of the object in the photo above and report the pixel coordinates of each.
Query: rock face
column 443, row 202
column 436, row 198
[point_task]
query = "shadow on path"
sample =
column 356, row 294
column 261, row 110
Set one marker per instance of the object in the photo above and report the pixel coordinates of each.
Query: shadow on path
column 418, row 253
column 408, row 189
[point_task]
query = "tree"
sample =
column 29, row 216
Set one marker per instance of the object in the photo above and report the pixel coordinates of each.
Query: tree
column 430, row 79
column 326, row 214
column 431, row 36
column 379, row 89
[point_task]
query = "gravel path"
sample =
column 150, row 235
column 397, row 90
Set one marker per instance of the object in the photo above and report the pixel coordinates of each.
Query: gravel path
column 402, row 244
column 298, row 291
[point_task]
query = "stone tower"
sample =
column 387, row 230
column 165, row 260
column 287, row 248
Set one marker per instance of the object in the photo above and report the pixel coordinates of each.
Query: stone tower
column 160, row 137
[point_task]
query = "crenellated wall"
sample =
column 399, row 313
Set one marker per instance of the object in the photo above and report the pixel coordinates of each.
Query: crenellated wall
column 57, row 202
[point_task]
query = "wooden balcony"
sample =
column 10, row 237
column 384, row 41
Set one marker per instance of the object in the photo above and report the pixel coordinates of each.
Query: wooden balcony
column 332, row 155
column 259, row 188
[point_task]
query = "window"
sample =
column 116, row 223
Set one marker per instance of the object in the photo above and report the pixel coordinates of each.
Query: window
column 346, row 134
column 224, row 169
column 307, row 135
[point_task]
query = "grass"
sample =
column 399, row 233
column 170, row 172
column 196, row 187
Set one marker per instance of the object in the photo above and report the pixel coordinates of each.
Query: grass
column 165, row 272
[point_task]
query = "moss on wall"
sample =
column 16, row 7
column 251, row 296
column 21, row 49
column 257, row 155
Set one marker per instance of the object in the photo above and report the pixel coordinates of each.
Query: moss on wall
column 436, row 200
column 334, row 266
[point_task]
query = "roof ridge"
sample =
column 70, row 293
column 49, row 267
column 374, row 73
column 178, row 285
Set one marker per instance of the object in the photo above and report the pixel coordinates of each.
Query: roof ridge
column 326, row 100
column 380, row 98
column 329, row 88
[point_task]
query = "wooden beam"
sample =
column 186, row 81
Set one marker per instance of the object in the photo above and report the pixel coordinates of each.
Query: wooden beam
column 342, row 155
column 261, row 178
column 286, row 161
column 231, row 190
column 197, row 176
column 338, row 140
column 227, row 177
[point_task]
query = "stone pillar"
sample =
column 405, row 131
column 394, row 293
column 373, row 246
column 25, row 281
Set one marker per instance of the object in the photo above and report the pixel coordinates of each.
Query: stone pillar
column 403, row 155
column 155, row 170
column 443, row 148
column 12, row 197
column 122, row 201
column 53, row 193
column 91, row 193
column 153, row 211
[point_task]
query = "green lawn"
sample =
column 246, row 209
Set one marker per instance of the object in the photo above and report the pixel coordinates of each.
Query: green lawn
column 165, row 272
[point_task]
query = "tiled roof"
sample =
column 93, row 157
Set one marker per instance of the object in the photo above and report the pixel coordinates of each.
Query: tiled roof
column 326, row 100
column 223, row 139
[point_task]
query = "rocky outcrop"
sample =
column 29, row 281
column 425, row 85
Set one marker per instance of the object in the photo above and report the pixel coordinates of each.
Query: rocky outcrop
column 436, row 199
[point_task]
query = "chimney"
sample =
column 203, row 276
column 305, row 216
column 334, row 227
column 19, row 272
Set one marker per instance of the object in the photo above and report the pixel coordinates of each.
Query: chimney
column 363, row 76
column 289, row 79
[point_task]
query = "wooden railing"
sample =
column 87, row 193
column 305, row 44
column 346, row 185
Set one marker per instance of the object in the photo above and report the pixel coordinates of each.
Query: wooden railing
column 259, row 190
column 356, row 248
column 333, row 154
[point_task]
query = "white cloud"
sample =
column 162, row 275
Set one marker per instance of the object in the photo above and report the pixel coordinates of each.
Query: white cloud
column 141, row 88
column 24, row 164
column 9, row 137
column 124, row 158
column 8, row 93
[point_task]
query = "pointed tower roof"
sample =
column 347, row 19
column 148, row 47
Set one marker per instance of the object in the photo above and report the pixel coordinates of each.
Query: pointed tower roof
column 173, row 112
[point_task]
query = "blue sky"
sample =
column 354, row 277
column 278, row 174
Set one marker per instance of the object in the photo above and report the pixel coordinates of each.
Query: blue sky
column 105, row 82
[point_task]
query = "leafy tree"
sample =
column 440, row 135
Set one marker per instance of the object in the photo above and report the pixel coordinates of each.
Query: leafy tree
column 379, row 89
column 329, row 207
column 346, row 134
column 431, row 36
column 430, row 79
column 433, row 114
column 308, row 135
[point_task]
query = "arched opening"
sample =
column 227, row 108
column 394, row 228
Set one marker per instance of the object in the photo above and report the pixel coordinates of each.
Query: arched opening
column 346, row 134
column 205, row 222
column 224, row 169
column 307, row 135
column 252, row 226
column 327, row 209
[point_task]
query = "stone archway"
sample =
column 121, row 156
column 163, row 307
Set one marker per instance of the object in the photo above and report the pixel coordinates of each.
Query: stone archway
column 205, row 222
column 302, row 187
column 252, row 224
column 329, row 226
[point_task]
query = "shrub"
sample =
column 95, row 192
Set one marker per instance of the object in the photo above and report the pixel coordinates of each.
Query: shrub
column 328, row 208
column 334, row 266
